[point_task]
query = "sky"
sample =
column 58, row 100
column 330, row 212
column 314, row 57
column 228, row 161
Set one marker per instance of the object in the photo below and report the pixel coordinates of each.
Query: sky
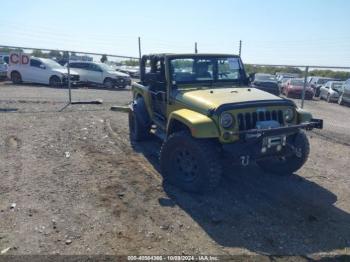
column 298, row 32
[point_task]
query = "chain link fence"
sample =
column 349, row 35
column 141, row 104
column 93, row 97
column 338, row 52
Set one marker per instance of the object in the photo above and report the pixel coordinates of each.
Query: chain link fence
column 82, row 77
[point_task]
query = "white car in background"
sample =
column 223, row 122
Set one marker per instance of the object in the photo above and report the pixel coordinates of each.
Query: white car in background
column 331, row 91
column 100, row 74
column 41, row 71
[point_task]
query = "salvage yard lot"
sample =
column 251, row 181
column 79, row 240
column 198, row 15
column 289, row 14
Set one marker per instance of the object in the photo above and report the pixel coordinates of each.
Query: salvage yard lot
column 80, row 187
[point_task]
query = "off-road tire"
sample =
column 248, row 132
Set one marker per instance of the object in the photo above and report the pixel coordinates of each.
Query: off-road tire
column 55, row 81
column 203, row 162
column 16, row 77
column 291, row 164
column 139, row 125
column 108, row 83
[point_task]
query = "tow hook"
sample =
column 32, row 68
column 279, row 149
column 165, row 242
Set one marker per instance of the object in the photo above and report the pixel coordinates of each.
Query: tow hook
column 245, row 160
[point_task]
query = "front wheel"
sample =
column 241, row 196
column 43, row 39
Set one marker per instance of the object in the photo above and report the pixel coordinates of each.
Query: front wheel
column 55, row 81
column 108, row 83
column 190, row 164
column 16, row 78
column 289, row 164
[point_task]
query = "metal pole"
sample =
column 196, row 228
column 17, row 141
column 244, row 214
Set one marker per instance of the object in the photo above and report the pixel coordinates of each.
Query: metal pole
column 140, row 49
column 69, row 87
column 240, row 47
column 195, row 48
column 140, row 55
column 304, row 87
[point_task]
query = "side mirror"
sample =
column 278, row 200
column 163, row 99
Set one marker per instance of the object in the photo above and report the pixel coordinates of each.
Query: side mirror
column 42, row 66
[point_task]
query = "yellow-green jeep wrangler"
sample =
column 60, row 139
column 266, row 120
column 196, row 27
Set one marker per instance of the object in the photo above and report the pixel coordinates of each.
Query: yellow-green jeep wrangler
column 202, row 108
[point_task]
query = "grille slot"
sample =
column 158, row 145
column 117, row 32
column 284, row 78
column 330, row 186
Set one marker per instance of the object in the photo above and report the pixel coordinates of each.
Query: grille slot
column 248, row 121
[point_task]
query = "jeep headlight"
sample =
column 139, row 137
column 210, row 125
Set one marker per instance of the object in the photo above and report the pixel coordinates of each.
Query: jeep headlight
column 226, row 120
column 289, row 114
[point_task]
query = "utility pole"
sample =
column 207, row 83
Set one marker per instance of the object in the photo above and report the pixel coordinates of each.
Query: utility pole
column 240, row 48
column 140, row 48
column 69, row 85
column 195, row 48
column 304, row 87
column 140, row 55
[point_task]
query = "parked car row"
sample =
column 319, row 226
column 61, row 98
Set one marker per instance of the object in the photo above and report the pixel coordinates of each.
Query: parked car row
column 291, row 85
column 49, row 72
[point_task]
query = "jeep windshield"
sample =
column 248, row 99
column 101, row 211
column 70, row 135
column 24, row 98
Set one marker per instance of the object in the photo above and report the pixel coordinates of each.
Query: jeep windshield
column 205, row 71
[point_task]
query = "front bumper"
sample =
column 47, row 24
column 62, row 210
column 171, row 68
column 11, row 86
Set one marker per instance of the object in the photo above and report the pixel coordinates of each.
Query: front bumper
column 313, row 123
column 264, row 143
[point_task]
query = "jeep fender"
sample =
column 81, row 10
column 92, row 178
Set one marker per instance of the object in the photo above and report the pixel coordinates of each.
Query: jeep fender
column 200, row 126
column 303, row 116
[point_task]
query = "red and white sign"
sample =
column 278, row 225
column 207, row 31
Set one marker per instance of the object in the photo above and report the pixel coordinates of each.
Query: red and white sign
column 17, row 58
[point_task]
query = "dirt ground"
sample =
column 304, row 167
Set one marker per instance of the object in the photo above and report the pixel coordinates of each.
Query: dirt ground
column 71, row 183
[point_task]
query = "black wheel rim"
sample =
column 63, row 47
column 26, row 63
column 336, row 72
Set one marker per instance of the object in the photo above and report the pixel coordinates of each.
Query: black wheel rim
column 185, row 165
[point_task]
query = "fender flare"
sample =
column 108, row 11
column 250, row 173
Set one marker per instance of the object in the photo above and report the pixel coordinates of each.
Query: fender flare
column 200, row 125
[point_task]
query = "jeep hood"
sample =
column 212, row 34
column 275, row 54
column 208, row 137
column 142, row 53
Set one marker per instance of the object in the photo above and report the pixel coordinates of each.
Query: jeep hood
column 213, row 98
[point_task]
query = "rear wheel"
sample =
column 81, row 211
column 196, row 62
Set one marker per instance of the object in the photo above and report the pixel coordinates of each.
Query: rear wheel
column 139, row 125
column 288, row 165
column 55, row 81
column 16, row 78
column 191, row 164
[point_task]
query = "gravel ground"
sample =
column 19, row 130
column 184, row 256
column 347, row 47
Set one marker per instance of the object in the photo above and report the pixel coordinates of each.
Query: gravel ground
column 80, row 187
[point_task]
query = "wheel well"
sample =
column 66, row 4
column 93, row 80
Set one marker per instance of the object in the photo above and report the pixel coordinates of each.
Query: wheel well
column 107, row 78
column 55, row 76
column 176, row 126
column 15, row 72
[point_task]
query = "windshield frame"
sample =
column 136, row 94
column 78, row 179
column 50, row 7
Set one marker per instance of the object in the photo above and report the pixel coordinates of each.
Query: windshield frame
column 210, row 82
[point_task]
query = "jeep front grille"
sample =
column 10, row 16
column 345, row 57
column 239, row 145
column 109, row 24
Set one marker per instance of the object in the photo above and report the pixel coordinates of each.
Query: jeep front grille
column 248, row 121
